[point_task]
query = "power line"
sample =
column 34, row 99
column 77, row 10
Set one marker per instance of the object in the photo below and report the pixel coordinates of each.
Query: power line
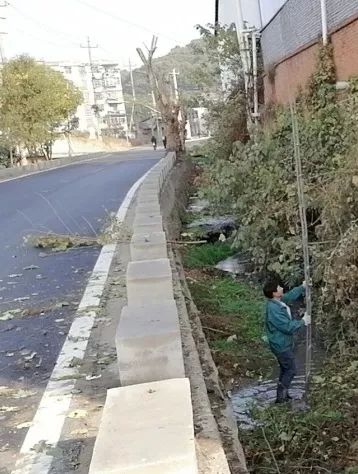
column 47, row 27
column 124, row 20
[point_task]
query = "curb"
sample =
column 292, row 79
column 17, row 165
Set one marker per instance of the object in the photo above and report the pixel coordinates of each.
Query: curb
column 159, row 434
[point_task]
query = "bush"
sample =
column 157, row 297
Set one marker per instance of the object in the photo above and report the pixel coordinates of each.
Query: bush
column 257, row 183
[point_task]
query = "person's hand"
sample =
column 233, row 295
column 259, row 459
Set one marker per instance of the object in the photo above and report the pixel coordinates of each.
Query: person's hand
column 307, row 319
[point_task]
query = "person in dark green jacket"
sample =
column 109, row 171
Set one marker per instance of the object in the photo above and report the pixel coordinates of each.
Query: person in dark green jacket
column 280, row 328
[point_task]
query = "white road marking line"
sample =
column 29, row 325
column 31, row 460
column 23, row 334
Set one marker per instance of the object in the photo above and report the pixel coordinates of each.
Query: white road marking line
column 31, row 173
column 47, row 425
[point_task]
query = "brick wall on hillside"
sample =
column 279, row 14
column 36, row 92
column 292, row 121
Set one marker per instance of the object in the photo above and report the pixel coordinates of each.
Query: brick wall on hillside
column 290, row 43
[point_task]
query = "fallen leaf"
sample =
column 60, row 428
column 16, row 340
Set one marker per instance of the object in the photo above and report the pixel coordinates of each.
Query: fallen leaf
column 9, row 409
column 27, row 424
column 93, row 377
column 22, row 298
column 6, row 316
column 79, row 432
column 31, row 356
column 31, row 267
column 24, row 393
column 78, row 414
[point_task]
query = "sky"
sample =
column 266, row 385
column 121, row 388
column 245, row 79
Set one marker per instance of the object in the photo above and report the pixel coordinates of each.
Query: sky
column 53, row 30
column 250, row 9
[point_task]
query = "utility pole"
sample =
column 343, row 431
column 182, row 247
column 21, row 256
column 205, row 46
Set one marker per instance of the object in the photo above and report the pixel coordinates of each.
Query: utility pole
column 242, row 36
column 254, row 72
column 175, row 83
column 89, row 48
column 217, row 6
column 2, row 33
column 133, row 95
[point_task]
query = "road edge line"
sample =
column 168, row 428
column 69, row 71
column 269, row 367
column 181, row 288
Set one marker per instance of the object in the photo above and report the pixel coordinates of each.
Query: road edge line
column 52, row 410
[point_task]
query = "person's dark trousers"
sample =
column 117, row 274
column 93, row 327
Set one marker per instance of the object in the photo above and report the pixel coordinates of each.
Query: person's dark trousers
column 287, row 365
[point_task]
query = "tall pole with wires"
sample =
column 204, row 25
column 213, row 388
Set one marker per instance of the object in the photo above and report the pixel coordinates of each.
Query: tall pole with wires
column 2, row 33
column 89, row 48
column 133, row 95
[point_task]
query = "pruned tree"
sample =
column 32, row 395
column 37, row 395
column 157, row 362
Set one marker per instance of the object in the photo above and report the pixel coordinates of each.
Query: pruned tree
column 170, row 109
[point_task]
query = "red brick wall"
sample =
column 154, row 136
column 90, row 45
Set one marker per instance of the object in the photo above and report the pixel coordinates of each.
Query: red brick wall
column 295, row 71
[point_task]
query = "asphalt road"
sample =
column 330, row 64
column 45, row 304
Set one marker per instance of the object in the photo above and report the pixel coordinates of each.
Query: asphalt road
column 44, row 287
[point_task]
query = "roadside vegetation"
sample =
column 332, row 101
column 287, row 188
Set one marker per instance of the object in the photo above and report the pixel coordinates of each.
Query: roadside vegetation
column 37, row 105
column 254, row 180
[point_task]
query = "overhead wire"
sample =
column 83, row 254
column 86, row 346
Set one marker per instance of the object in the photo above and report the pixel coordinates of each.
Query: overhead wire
column 46, row 27
column 128, row 22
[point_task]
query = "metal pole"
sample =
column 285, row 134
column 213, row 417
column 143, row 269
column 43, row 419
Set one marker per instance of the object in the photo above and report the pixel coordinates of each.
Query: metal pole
column 244, row 52
column 305, row 243
column 216, row 17
column 324, row 22
column 260, row 13
column 254, row 72
column 89, row 48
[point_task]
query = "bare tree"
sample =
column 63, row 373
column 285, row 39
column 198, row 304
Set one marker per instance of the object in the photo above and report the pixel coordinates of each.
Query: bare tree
column 170, row 110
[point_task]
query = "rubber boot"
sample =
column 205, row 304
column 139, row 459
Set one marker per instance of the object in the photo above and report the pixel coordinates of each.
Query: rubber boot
column 282, row 394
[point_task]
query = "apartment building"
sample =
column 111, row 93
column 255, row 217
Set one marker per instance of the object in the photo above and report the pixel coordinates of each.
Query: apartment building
column 103, row 110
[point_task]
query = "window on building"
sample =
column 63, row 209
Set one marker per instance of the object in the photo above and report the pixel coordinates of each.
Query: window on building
column 97, row 83
column 110, row 82
column 68, row 69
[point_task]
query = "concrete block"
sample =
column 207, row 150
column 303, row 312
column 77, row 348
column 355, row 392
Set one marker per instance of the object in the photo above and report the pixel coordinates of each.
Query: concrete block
column 150, row 188
column 150, row 228
column 148, row 246
column 148, row 209
column 149, row 282
column 148, row 343
column 144, row 223
column 147, row 198
column 146, row 429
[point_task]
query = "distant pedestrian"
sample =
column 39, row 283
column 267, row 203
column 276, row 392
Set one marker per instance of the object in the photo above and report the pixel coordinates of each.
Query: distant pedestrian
column 280, row 328
column 165, row 142
column 154, row 142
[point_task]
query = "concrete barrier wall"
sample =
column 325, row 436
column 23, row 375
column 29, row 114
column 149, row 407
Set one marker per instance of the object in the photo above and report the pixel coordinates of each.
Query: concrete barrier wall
column 147, row 424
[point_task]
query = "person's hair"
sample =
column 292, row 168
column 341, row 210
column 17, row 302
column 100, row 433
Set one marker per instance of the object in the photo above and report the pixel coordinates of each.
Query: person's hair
column 270, row 287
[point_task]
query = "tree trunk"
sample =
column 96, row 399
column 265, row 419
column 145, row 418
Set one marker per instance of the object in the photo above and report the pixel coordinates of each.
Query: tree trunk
column 11, row 157
column 173, row 131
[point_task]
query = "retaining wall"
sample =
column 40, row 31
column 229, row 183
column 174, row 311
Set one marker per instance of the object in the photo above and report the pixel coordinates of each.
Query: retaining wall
column 147, row 423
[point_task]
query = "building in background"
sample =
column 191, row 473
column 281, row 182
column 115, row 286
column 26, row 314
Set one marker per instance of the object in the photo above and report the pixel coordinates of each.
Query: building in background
column 103, row 109
column 196, row 123
column 290, row 42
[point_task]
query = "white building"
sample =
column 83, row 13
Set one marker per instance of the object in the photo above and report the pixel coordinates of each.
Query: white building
column 103, row 110
column 197, row 125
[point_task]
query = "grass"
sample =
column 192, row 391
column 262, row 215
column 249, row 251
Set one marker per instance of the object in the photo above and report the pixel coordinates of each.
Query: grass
column 207, row 255
column 225, row 296
column 227, row 308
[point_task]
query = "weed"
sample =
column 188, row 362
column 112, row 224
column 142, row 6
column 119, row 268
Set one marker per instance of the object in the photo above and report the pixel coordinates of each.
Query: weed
column 207, row 255
column 232, row 318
